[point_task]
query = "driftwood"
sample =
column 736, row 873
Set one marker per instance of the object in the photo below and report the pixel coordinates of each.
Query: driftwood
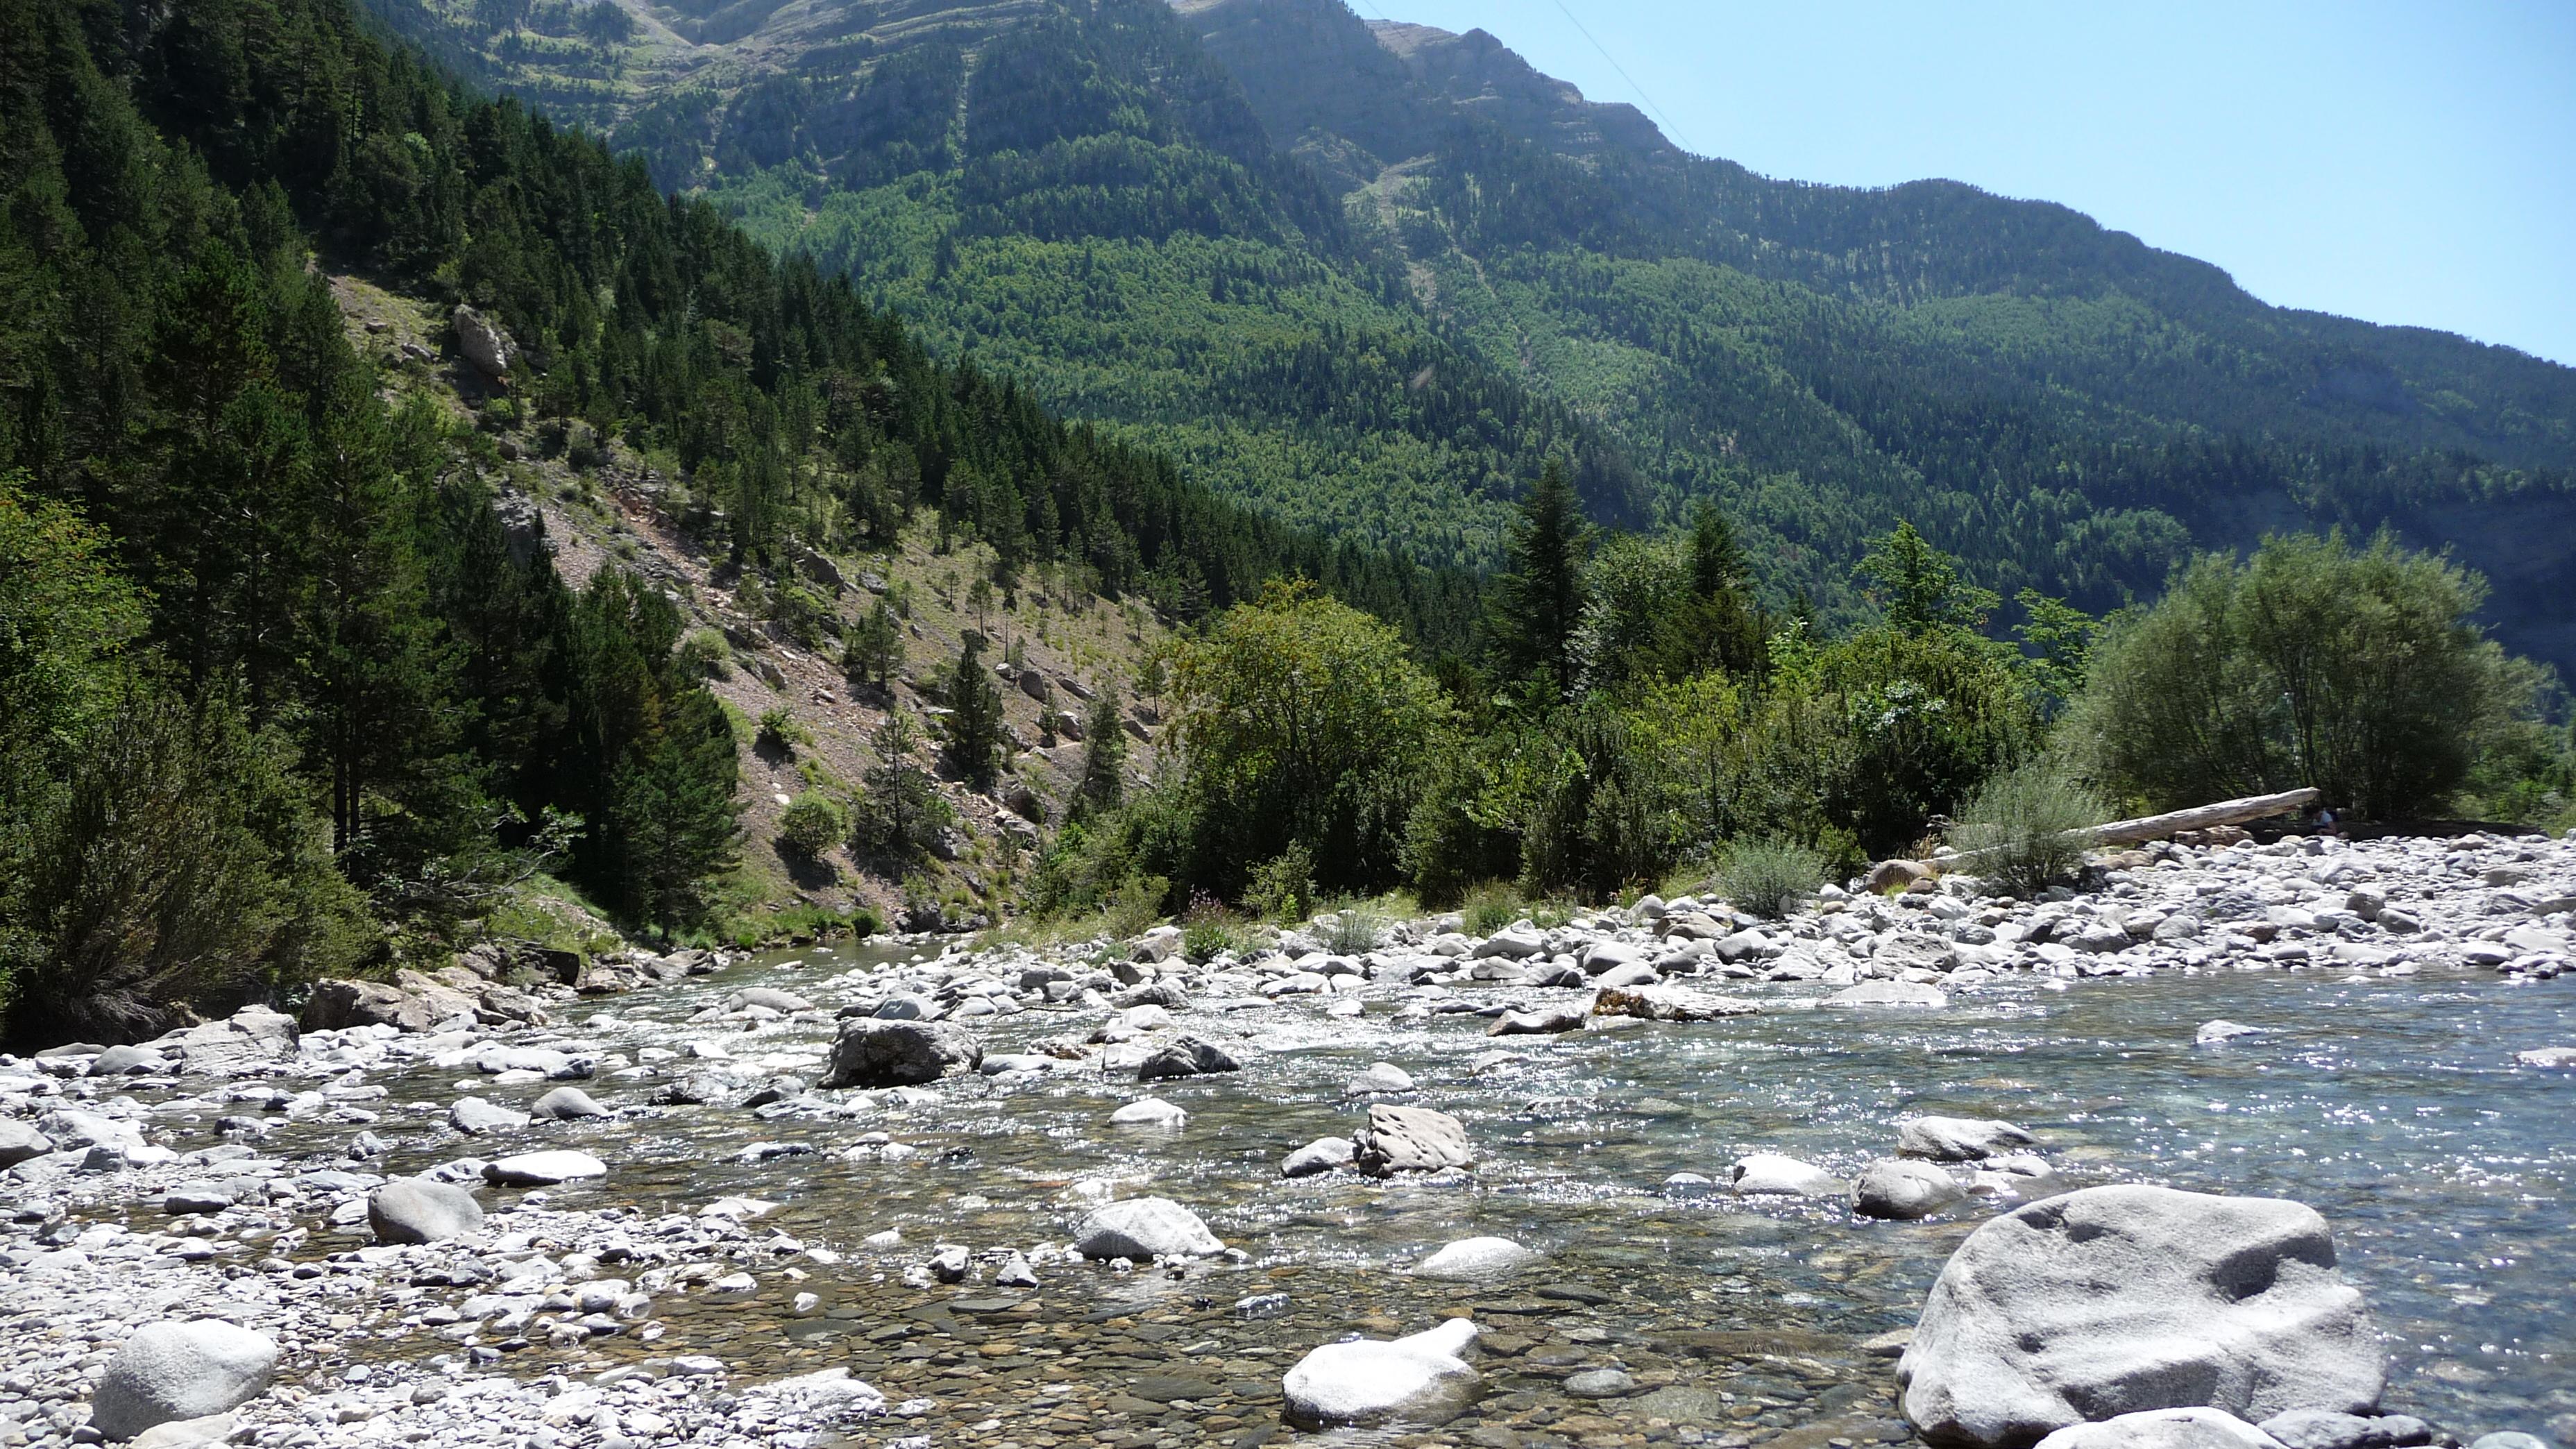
column 2201, row 817
column 1891, row 873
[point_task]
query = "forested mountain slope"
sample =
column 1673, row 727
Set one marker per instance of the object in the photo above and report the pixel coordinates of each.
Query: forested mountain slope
column 291, row 324
column 1363, row 276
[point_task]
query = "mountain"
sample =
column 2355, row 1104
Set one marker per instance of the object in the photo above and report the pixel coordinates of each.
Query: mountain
column 413, row 521
column 1364, row 275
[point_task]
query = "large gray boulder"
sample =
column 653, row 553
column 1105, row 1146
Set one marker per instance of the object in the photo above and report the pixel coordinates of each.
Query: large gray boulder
column 1419, row 1380
column 1889, row 993
column 1321, row 1155
column 1140, row 1228
column 127, row 1061
column 771, row 998
column 1904, row 1190
column 417, row 1210
column 339, row 1004
column 2324, row 1429
column 872, row 1053
column 232, row 1046
column 2116, row 1300
column 2164, row 1429
column 1410, row 1139
column 173, row 1370
column 484, row 343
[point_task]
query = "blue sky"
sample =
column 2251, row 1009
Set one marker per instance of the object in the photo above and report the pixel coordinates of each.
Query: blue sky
column 2409, row 164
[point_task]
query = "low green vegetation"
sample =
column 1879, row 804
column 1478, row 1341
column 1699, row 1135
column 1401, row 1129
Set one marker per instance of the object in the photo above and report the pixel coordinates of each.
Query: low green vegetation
column 1587, row 755
column 812, row 824
column 1769, row 877
column 2357, row 671
column 2027, row 829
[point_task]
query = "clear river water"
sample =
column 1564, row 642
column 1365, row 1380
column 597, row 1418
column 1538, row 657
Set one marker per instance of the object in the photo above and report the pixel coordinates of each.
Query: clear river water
column 2392, row 1105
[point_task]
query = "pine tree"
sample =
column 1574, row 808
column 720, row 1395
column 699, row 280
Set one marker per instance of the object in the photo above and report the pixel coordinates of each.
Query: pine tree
column 972, row 730
column 1539, row 600
column 1717, row 560
column 873, row 650
column 1104, row 756
column 902, row 810
column 1919, row 585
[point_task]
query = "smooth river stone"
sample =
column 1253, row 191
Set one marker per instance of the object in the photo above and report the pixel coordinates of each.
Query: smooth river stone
column 1420, row 1379
column 543, row 1169
column 1475, row 1258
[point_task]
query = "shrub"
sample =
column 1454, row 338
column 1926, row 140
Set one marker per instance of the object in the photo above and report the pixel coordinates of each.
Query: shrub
column 703, row 654
column 1356, row 929
column 2028, row 827
column 780, row 731
column 1284, row 888
column 1924, row 719
column 1490, row 907
column 2356, row 671
column 1304, row 721
column 814, row 822
column 1766, row 877
column 1135, row 905
column 1208, row 929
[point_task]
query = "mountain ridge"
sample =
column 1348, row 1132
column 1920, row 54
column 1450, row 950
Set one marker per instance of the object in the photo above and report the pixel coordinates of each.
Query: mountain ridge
column 1421, row 264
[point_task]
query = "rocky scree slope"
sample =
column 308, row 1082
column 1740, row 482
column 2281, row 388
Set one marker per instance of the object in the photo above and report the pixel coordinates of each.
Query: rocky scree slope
column 619, row 510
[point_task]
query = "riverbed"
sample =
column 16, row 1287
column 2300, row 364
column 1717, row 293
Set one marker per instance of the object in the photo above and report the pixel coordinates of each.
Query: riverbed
column 2392, row 1105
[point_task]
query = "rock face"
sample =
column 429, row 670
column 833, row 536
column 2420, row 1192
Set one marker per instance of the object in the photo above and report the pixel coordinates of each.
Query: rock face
column 484, row 343
column 1420, row 1379
column 1475, row 1258
column 1410, row 1139
column 1145, row 1227
column 416, row 1210
column 1904, row 1190
column 871, row 1053
column 172, row 1370
column 2115, row 1300
column 1959, row 1139
column 2164, row 1429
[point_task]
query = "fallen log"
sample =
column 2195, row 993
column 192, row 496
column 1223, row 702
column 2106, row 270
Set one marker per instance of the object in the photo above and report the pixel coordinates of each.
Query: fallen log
column 2202, row 817
column 1889, row 874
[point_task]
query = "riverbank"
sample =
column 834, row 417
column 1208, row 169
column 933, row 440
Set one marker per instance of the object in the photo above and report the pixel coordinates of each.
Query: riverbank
column 2392, row 987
